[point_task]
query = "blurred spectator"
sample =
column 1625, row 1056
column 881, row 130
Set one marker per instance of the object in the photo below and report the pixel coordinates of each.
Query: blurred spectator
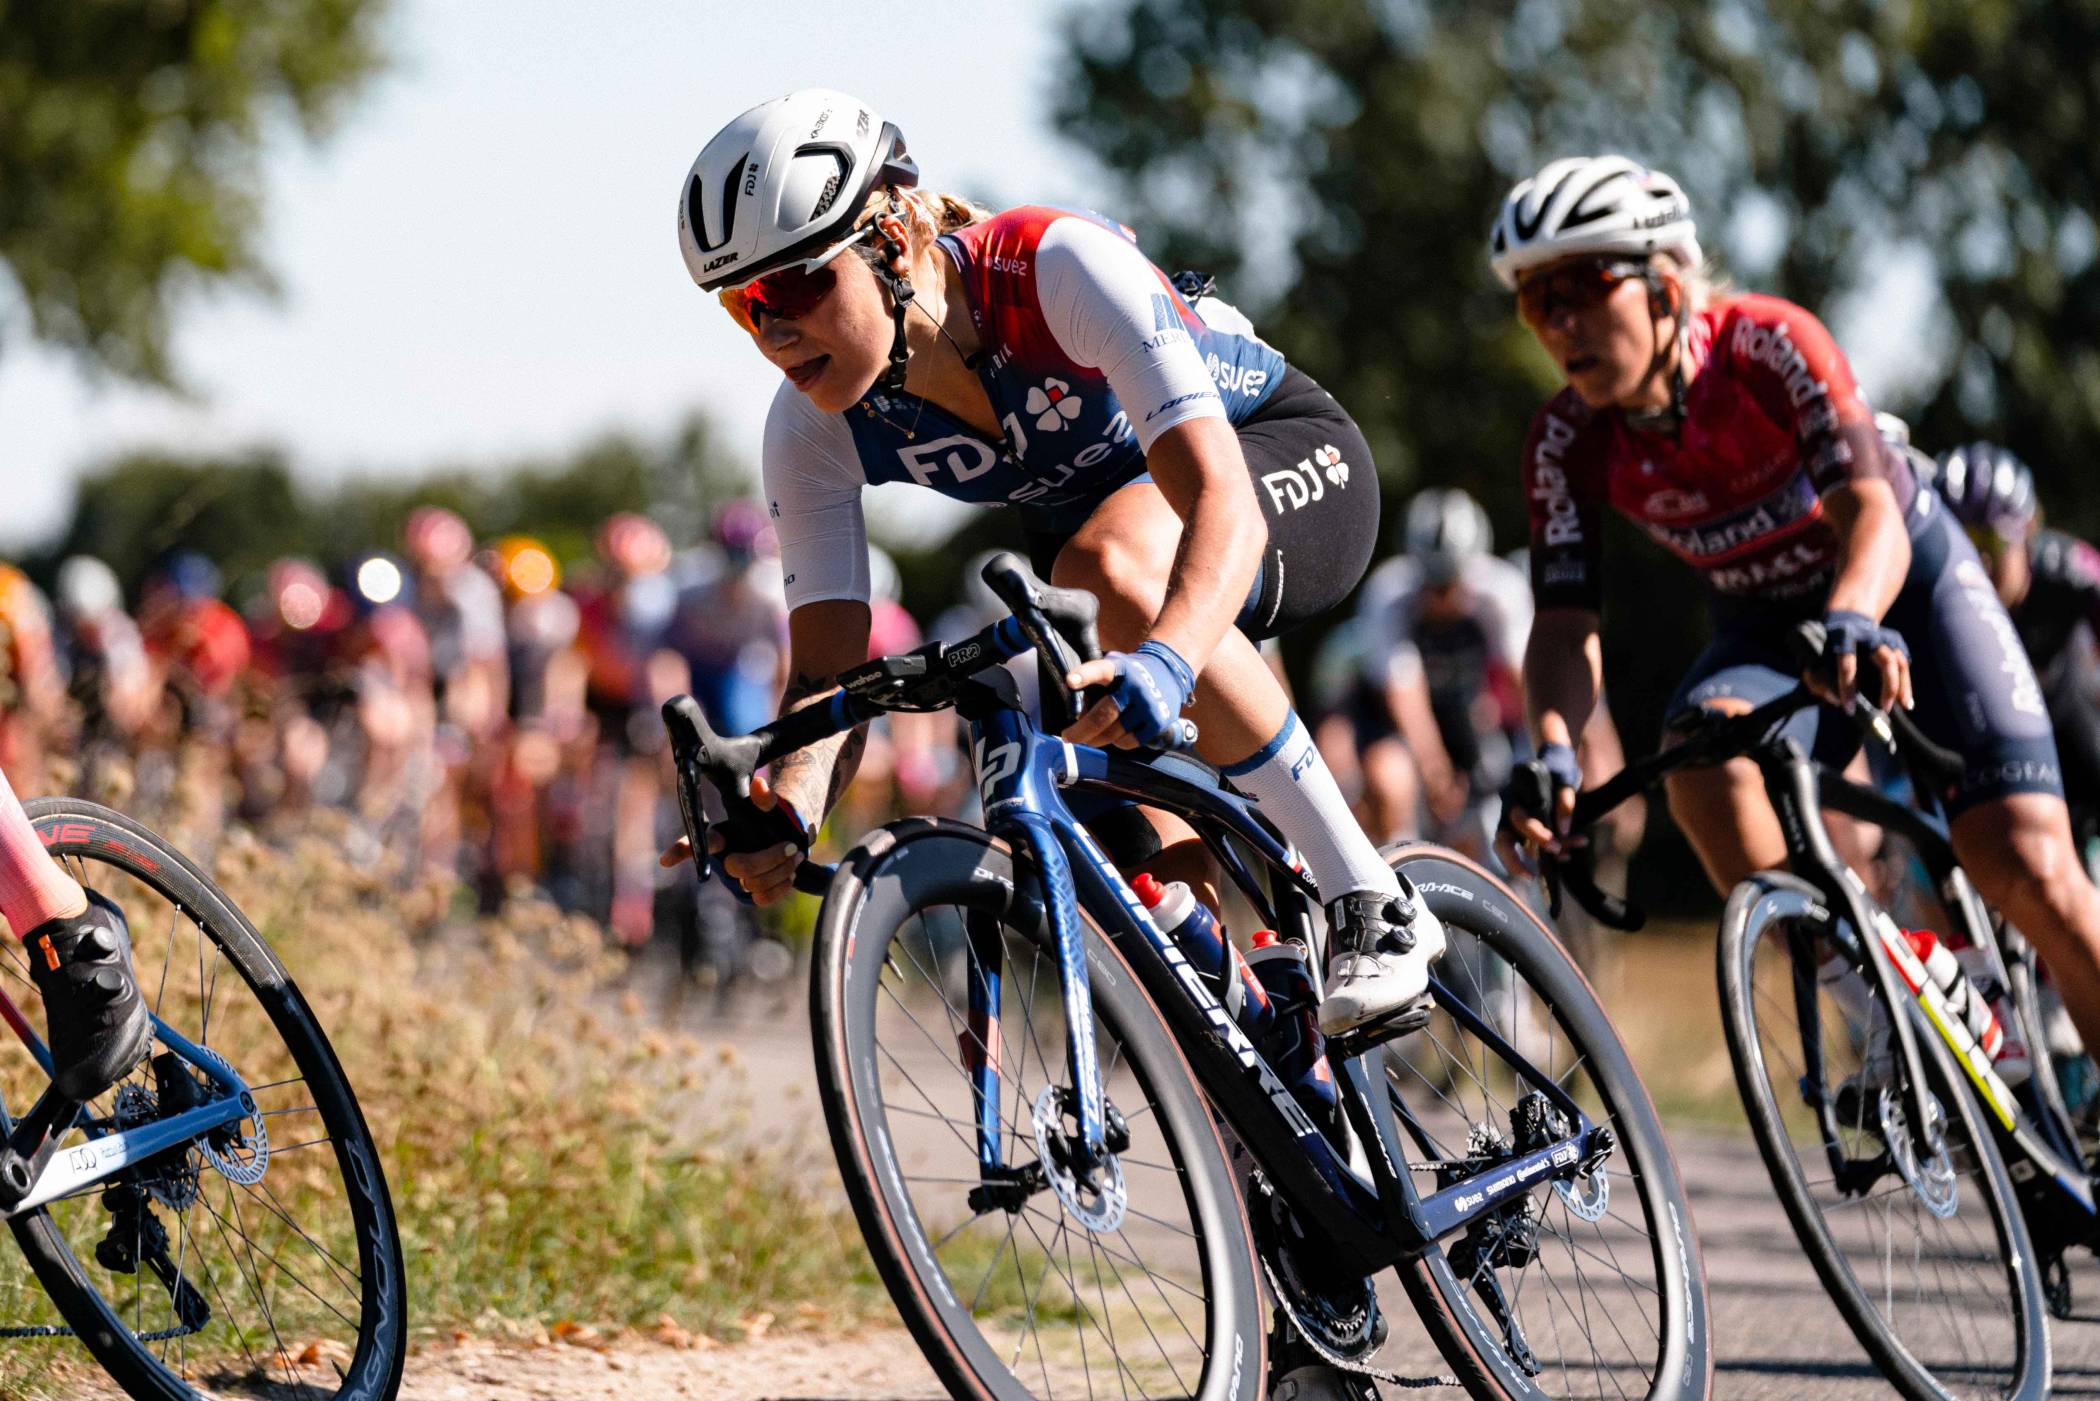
column 630, row 670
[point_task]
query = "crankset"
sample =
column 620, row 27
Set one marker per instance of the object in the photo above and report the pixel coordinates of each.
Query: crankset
column 1336, row 1313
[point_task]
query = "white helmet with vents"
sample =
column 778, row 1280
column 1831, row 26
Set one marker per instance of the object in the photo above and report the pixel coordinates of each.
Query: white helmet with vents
column 1444, row 528
column 1591, row 204
column 782, row 182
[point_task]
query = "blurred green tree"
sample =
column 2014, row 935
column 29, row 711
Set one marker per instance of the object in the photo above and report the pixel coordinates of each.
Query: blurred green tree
column 239, row 512
column 244, row 510
column 131, row 134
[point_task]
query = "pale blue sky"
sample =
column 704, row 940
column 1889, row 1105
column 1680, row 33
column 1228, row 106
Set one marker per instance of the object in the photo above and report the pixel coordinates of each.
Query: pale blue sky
column 483, row 262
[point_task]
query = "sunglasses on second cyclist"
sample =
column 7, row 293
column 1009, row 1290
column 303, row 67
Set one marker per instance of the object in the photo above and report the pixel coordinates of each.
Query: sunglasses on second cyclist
column 1573, row 287
column 790, row 292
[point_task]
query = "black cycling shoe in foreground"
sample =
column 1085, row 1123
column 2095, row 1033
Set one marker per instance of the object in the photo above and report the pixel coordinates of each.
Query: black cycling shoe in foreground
column 96, row 1019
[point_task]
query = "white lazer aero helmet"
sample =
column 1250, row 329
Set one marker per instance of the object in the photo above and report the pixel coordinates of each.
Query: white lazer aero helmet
column 781, row 182
column 1591, row 204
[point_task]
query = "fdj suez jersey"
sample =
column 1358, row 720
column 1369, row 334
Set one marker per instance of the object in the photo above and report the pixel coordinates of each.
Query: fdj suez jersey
column 1772, row 420
column 1088, row 354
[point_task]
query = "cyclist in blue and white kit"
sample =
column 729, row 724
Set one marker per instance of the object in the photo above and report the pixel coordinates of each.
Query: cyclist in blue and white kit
column 1156, row 452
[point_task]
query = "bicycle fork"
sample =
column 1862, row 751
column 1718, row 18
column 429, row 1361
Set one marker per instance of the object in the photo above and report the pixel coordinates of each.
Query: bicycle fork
column 1014, row 777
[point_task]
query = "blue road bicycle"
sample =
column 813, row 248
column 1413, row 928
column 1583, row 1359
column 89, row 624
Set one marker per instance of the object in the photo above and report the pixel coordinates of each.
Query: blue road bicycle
column 1077, row 1172
column 216, row 1223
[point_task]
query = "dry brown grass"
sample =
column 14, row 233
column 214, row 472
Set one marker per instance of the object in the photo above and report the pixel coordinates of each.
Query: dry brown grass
column 557, row 1159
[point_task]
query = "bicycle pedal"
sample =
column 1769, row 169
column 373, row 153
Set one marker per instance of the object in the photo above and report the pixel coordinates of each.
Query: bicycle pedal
column 1402, row 1021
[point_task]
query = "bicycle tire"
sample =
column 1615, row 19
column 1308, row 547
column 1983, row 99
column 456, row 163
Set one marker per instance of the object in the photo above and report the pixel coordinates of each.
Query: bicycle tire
column 887, row 880
column 1473, row 902
column 1768, row 902
column 83, row 835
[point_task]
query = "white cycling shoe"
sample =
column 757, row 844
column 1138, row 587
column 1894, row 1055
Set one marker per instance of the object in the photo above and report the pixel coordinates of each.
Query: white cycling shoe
column 1378, row 967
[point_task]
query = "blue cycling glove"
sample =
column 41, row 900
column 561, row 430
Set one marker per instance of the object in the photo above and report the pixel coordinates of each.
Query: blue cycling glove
column 1534, row 787
column 1152, row 685
column 1558, row 760
column 1846, row 632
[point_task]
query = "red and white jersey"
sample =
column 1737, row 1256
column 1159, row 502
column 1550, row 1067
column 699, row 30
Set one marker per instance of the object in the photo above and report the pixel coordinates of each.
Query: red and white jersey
column 1089, row 355
column 1773, row 419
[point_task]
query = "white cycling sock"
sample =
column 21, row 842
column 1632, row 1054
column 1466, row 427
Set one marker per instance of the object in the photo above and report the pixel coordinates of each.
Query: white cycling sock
column 1298, row 793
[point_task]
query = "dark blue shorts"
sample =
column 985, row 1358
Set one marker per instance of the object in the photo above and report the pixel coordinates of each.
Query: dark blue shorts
column 1977, row 692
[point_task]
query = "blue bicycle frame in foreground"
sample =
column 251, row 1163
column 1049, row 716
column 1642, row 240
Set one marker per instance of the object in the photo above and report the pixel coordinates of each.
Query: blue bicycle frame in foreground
column 35, row 1173
column 1369, row 1222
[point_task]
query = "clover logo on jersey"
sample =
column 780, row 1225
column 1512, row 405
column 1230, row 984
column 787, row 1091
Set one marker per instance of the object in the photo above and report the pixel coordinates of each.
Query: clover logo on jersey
column 1054, row 405
column 1329, row 460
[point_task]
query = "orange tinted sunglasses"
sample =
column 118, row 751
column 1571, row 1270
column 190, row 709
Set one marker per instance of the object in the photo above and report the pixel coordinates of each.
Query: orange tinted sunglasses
column 789, row 292
column 1572, row 287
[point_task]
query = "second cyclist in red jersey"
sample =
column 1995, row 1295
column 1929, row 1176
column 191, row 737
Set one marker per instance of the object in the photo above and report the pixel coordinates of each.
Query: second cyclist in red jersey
column 1771, row 420
column 1731, row 429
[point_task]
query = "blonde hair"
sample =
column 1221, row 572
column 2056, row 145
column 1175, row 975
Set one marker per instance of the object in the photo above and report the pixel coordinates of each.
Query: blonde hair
column 1704, row 283
column 927, row 215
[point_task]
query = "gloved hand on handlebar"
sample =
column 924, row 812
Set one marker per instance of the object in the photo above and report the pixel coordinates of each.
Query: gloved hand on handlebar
column 1847, row 636
column 1538, row 804
column 1147, row 690
column 759, row 847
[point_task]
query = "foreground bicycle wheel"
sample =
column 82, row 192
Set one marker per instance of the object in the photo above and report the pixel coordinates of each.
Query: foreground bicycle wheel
column 1589, row 1288
column 1928, row 1261
column 1048, row 1291
column 264, row 1263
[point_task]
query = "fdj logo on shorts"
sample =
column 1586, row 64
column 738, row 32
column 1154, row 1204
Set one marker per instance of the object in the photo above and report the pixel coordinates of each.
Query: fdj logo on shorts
column 1294, row 488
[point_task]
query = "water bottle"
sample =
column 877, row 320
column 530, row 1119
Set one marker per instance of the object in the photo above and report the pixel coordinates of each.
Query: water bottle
column 1294, row 1045
column 2011, row 1059
column 1967, row 1002
column 1202, row 940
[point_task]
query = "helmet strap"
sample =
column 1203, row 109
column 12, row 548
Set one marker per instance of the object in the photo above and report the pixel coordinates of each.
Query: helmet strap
column 1661, row 305
column 901, row 295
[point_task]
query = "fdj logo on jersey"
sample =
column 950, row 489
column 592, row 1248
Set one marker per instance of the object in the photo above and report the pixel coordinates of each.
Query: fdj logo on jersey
column 961, row 456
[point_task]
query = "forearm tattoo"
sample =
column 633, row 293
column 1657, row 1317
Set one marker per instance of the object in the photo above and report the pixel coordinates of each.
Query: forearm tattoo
column 823, row 768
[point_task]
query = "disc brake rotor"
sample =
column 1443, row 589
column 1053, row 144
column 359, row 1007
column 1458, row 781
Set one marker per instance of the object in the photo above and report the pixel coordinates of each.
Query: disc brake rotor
column 1932, row 1180
column 1098, row 1203
column 1588, row 1195
column 241, row 1153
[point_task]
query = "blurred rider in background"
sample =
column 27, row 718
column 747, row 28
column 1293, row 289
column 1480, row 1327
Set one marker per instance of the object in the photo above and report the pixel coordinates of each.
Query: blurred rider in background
column 461, row 610
column 2049, row 582
column 1441, row 629
column 625, row 623
column 731, row 629
column 108, row 677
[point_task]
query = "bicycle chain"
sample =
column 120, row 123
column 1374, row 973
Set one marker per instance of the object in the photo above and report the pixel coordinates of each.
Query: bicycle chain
column 50, row 1330
column 1335, row 1359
